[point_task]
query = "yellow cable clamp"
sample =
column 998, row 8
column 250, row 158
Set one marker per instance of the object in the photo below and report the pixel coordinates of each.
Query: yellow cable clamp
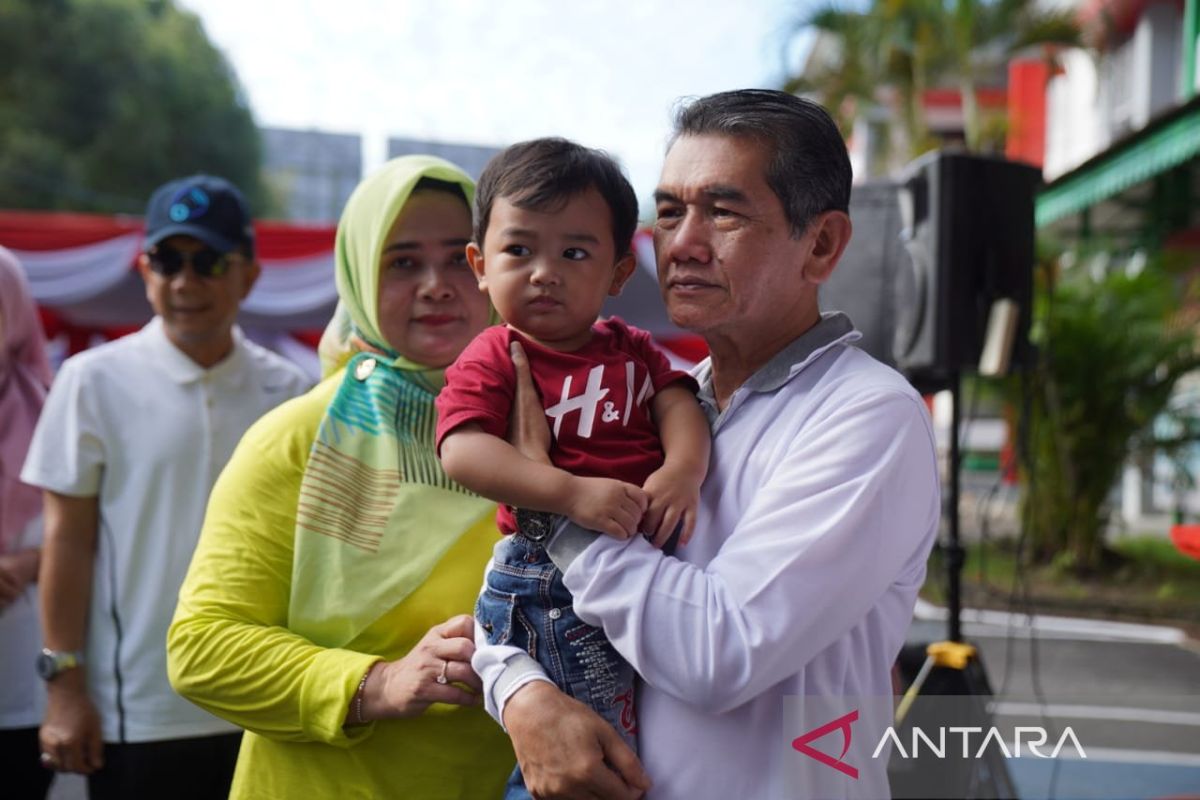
column 955, row 655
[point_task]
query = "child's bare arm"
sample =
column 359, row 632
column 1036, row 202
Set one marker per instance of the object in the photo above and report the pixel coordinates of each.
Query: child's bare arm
column 493, row 468
column 674, row 488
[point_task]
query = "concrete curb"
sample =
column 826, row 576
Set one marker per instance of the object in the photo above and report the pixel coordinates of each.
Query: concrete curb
column 980, row 622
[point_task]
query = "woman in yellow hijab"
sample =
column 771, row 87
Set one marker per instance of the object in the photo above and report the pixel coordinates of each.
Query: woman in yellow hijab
column 326, row 607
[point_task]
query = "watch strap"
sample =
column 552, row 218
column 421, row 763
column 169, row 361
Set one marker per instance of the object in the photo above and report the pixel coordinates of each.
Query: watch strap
column 52, row 663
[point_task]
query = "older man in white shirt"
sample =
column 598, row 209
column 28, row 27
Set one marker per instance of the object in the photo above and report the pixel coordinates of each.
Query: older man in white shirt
column 818, row 513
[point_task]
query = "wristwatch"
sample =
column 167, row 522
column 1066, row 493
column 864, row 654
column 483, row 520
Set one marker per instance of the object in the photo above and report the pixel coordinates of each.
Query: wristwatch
column 52, row 663
column 536, row 526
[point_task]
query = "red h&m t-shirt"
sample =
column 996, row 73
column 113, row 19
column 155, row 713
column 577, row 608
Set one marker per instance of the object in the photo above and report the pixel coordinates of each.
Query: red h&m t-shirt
column 597, row 399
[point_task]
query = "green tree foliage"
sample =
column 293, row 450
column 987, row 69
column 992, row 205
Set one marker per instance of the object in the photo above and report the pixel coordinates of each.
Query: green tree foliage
column 103, row 100
column 1113, row 348
column 849, row 76
column 908, row 46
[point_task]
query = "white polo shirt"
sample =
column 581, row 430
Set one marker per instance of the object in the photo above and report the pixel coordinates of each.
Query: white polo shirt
column 815, row 521
column 145, row 429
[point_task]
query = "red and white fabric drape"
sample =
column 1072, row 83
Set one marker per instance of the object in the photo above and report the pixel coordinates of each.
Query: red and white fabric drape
column 72, row 258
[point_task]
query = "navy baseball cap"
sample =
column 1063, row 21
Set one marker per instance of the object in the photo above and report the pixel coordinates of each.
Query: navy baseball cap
column 206, row 207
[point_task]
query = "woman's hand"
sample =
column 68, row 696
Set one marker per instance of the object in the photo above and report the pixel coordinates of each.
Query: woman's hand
column 407, row 687
column 530, row 433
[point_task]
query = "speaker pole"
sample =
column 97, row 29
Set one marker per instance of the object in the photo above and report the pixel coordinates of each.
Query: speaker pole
column 953, row 549
column 950, row 667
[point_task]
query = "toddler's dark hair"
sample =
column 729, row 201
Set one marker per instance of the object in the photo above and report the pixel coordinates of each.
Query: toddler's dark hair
column 543, row 174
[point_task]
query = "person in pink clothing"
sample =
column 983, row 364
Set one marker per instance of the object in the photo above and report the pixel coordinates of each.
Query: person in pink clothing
column 24, row 379
column 554, row 228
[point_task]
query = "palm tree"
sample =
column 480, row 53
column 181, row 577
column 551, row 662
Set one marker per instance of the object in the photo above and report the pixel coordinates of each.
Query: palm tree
column 911, row 45
column 1114, row 345
column 846, row 76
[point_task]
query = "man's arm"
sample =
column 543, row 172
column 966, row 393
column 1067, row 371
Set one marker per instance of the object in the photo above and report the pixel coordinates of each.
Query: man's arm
column 848, row 511
column 566, row 750
column 493, row 468
column 70, row 732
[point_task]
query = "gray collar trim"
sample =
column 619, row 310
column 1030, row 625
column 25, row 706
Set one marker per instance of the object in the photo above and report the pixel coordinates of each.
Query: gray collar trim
column 834, row 327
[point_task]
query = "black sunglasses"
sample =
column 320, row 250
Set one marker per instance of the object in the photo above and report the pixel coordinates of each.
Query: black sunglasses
column 206, row 263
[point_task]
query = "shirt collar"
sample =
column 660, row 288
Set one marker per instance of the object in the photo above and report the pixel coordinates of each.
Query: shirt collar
column 833, row 328
column 176, row 364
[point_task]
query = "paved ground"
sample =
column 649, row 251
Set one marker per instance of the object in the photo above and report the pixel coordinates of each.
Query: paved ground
column 1131, row 694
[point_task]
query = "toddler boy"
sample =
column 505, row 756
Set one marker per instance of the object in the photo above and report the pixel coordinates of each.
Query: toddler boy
column 553, row 237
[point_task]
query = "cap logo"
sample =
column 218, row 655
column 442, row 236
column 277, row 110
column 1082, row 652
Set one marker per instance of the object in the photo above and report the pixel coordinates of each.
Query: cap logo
column 188, row 204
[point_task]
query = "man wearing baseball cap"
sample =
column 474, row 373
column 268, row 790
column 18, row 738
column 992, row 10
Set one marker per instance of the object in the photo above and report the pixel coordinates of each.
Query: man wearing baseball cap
column 132, row 437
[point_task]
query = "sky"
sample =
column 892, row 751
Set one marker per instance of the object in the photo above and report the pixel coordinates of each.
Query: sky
column 604, row 73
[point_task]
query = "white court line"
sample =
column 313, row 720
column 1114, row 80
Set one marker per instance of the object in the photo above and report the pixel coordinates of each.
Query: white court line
column 1158, row 758
column 978, row 622
column 1116, row 713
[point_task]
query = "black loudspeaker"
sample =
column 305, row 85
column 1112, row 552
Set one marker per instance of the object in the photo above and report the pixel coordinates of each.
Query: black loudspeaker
column 968, row 227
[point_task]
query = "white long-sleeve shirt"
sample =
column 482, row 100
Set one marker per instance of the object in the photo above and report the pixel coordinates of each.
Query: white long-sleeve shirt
column 815, row 522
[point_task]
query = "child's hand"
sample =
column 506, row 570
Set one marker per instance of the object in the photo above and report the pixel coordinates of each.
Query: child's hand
column 606, row 505
column 674, row 497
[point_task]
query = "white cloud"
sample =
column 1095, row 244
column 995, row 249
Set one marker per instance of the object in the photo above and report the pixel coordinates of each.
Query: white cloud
column 604, row 73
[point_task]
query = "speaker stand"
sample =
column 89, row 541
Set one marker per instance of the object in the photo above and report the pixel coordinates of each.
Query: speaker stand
column 950, row 667
column 952, row 549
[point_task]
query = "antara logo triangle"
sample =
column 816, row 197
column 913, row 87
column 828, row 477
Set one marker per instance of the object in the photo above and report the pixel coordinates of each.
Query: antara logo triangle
column 842, row 723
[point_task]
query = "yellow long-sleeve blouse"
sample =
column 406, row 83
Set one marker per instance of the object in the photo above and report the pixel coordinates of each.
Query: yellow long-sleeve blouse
column 230, row 652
